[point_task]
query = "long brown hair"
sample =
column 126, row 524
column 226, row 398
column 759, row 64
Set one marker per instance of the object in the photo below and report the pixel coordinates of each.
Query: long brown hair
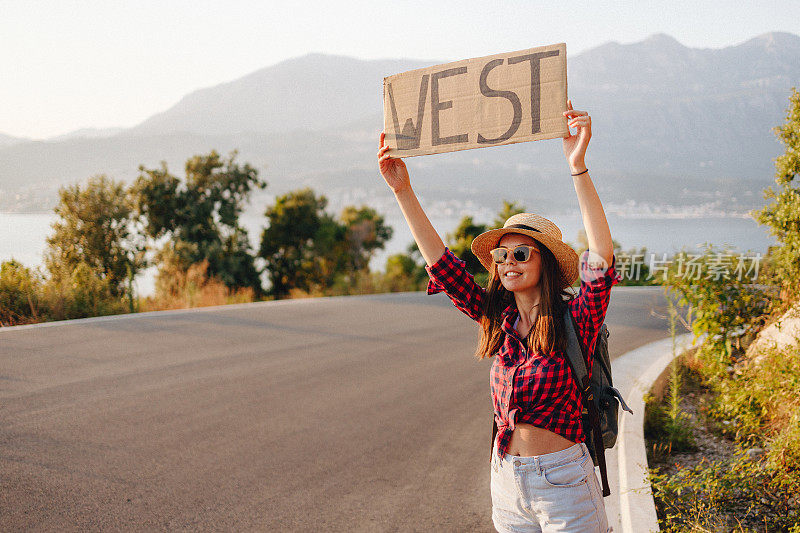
column 548, row 332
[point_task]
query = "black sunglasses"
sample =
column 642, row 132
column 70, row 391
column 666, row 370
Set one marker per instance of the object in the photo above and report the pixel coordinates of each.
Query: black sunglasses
column 520, row 253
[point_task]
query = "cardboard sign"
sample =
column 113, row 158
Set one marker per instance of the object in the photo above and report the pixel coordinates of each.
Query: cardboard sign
column 474, row 103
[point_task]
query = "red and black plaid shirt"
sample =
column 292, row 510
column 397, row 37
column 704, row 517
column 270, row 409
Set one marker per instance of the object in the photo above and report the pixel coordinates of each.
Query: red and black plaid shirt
column 537, row 388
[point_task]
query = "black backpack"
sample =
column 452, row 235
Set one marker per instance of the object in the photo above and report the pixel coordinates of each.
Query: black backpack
column 600, row 400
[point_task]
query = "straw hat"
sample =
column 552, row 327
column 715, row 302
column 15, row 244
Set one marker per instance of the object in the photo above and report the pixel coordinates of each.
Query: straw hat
column 540, row 229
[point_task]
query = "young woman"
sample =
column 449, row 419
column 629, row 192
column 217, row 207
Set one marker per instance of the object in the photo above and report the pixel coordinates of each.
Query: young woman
column 542, row 476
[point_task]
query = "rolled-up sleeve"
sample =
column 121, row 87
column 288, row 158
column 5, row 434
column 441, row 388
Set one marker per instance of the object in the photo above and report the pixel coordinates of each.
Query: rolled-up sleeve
column 589, row 308
column 450, row 275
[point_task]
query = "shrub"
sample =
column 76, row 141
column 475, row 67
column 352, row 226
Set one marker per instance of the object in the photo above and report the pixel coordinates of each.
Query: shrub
column 701, row 498
column 19, row 294
column 403, row 274
column 725, row 307
column 757, row 404
column 670, row 434
column 179, row 289
column 79, row 293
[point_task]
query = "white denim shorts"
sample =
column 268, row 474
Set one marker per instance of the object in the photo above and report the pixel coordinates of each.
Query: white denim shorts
column 550, row 492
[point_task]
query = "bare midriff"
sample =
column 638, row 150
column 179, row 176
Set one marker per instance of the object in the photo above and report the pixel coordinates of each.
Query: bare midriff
column 528, row 440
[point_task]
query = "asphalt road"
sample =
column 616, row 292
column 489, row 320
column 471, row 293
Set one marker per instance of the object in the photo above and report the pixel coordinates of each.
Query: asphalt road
column 339, row 414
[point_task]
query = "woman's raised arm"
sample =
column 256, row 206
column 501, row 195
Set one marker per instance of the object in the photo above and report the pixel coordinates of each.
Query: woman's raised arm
column 395, row 173
column 594, row 218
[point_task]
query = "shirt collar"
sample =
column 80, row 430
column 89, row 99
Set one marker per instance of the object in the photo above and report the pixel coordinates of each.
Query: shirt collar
column 509, row 313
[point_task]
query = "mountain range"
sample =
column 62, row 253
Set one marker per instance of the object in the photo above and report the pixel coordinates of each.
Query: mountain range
column 672, row 126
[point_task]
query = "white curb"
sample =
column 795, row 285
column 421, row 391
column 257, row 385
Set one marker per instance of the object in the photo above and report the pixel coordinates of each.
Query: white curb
column 634, row 374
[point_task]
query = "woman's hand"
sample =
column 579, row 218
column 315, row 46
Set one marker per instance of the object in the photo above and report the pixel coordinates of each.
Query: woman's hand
column 575, row 145
column 393, row 169
column 394, row 172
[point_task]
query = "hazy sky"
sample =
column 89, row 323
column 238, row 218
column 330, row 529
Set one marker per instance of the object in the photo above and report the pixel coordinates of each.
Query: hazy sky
column 76, row 64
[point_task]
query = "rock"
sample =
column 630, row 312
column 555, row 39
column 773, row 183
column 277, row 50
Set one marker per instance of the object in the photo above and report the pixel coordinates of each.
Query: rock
column 783, row 332
column 754, row 453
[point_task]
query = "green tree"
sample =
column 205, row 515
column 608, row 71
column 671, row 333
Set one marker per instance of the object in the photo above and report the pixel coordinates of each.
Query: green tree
column 405, row 272
column 400, row 273
column 306, row 248
column 199, row 216
column 782, row 215
column 94, row 229
column 302, row 245
column 460, row 241
column 509, row 209
column 366, row 232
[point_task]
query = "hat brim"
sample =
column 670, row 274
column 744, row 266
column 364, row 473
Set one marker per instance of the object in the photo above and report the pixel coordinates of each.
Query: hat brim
column 483, row 244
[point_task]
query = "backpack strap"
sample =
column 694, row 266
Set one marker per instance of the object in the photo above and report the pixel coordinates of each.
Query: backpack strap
column 494, row 435
column 575, row 354
column 615, row 392
column 577, row 360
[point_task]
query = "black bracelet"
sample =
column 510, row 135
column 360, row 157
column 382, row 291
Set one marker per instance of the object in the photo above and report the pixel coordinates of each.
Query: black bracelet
column 579, row 173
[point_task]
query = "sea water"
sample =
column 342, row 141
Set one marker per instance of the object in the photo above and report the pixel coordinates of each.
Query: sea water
column 23, row 236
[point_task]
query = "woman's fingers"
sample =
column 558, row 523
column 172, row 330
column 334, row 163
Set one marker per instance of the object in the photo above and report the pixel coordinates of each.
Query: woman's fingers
column 580, row 121
column 383, row 150
column 575, row 144
column 570, row 112
column 383, row 156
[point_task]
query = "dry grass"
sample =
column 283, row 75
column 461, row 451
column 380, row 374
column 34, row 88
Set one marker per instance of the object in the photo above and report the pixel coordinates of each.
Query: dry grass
column 193, row 288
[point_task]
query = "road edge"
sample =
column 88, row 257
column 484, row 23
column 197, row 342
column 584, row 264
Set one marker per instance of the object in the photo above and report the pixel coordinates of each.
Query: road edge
column 634, row 374
column 209, row 308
